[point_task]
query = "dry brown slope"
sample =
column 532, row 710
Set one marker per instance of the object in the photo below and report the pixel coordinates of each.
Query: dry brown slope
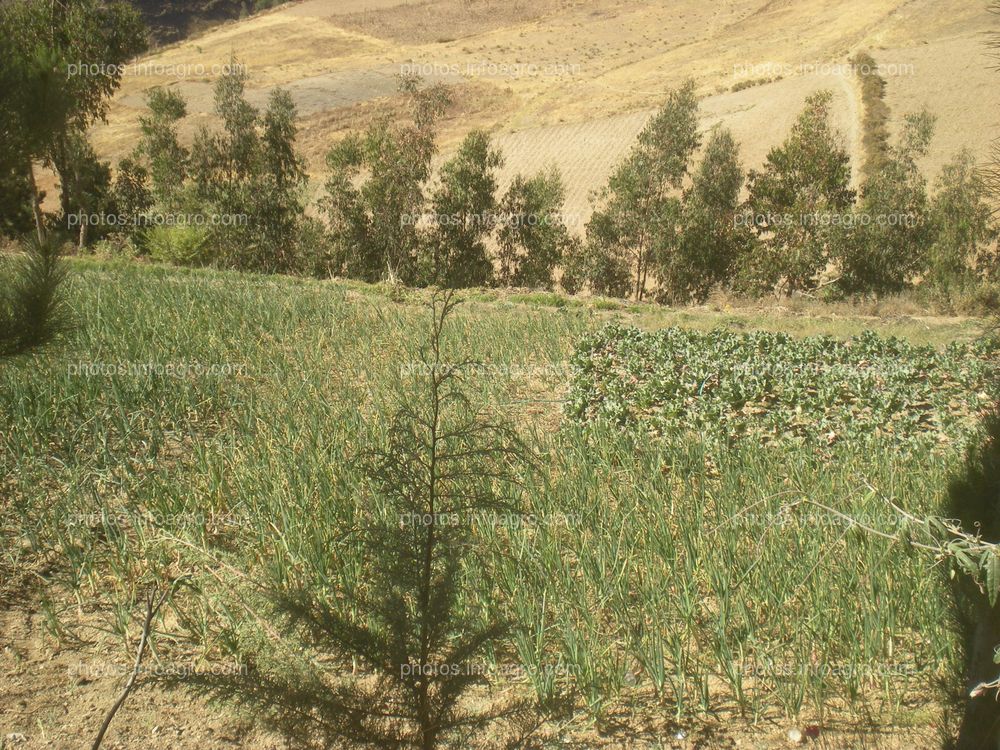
column 567, row 82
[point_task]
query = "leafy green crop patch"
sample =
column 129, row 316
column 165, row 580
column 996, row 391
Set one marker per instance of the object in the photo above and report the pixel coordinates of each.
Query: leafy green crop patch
column 772, row 386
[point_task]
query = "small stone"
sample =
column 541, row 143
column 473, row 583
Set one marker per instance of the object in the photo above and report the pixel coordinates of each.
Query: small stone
column 15, row 737
column 795, row 736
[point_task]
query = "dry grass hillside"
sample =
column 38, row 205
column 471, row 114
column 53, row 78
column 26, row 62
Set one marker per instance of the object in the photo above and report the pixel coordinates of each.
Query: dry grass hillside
column 570, row 82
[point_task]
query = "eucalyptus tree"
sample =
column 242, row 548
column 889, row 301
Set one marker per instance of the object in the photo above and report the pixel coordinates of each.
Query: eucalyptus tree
column 710, row 239
column 533, row 237
column 62, row 60
column 886, row 243
column 463, row 209
column 375, row 195
column 795, row 202
column 641, row 202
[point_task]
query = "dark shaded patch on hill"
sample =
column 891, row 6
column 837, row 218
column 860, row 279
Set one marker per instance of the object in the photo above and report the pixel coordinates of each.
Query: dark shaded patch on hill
column 172, row 20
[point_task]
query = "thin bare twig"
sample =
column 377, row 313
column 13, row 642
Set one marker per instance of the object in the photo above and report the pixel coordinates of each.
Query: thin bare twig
column 153, row 607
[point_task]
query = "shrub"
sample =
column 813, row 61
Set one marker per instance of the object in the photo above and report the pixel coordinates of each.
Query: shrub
column 312, row 251
column 753, row 82
column 876, row 114
column 117, row 245
column 982, row 298
column 33, row 310
column 180, row 244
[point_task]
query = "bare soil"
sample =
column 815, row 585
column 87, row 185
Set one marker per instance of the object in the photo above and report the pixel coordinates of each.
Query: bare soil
column 56, row 691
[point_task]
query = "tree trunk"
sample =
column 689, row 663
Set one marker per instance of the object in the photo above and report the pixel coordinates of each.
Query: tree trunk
column 36, row 211
column 61, row 162
column 638, row 278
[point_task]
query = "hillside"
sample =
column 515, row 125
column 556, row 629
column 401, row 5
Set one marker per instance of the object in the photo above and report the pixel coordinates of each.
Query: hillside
column 570, row 82
column 173, row 20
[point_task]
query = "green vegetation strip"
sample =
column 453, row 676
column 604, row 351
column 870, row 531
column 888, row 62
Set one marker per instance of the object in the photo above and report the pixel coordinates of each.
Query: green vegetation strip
column 773, row 386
